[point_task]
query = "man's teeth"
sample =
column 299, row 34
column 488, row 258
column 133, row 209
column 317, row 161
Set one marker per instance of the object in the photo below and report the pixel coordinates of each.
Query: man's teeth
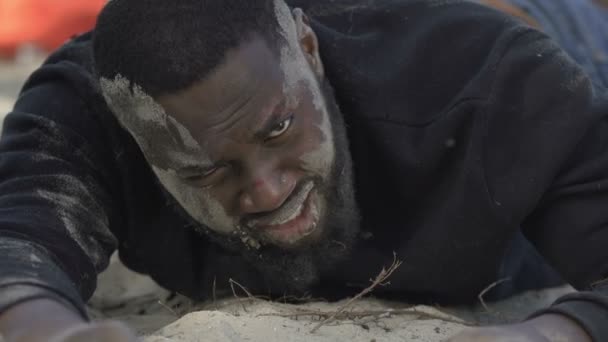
column 290, row 210
column 293, row 215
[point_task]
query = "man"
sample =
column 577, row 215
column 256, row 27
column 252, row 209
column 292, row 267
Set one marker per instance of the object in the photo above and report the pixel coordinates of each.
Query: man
column 241, row 139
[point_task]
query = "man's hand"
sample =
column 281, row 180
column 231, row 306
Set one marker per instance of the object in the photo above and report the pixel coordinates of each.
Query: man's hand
column 545, row 328
column 109, row 331
column 47, row 320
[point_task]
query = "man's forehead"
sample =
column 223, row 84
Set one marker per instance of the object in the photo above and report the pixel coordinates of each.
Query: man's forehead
column 171, row 142
column 293, row 62
column 256, row 64
column 245, row 72
column 164, row 140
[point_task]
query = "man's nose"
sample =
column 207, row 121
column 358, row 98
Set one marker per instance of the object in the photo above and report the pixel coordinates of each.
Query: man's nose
column 264, row 191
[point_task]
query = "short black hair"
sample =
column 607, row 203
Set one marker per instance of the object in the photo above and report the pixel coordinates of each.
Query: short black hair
column 165, row 46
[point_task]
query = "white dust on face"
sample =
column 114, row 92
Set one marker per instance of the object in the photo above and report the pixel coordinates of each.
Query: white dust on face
column 197, row 202
column 296, row 69
column 154, row 130
column 167, row 146
column 144, row 118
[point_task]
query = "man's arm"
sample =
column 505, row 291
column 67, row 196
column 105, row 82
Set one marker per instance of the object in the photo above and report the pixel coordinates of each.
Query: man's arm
column 570, row 228
column 51, row 318
column 56, row 323
column 541, row 329
column 546, row 165
column 57, row 203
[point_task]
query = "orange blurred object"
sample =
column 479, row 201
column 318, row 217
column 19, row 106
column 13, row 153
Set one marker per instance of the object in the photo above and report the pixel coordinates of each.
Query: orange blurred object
column 45, row 24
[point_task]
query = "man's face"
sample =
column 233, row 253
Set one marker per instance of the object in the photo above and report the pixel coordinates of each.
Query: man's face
column 256, row 153
column 265, row 148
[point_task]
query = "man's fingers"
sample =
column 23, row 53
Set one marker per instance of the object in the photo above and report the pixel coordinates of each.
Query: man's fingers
column 507, row 333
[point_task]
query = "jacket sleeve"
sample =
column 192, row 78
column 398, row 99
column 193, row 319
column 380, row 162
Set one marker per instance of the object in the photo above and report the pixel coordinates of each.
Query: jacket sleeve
column 570, row 225
column 546, row 165
column 57, row 198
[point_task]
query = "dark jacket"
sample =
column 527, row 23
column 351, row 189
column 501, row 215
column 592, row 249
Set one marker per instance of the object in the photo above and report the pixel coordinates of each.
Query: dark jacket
column 465, row 127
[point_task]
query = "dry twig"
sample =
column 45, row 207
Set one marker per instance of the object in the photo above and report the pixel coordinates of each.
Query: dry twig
column 213, row 293
column 166, row 307
column 232, row 281
column 600, row 282
column 239, row 299
column 379, row 280
column 487, row 289
column 376, row 314
column 341, row 313
column 336, row 314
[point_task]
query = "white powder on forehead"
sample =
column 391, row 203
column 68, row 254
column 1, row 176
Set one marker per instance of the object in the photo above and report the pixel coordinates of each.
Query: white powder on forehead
column 140, row 114
column 293, row 63
column 283, row 15
column 296, row 69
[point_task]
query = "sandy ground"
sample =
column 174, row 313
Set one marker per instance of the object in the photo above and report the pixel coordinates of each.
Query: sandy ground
column 159, row 316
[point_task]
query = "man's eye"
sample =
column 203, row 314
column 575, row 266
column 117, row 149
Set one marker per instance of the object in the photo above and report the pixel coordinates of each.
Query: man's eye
column 201, row 177
column 280, row 128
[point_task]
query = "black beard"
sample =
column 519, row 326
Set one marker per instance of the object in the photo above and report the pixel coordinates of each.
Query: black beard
column 295, row 271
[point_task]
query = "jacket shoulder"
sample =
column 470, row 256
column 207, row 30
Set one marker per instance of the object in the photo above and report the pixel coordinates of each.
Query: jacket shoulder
column 410, row 60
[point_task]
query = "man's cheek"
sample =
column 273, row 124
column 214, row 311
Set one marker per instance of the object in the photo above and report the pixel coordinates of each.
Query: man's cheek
column 216, row 216
column 198, row 203
column 317, row 155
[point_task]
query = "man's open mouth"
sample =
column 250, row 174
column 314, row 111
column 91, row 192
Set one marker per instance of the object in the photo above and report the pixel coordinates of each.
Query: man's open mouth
column 295, row 220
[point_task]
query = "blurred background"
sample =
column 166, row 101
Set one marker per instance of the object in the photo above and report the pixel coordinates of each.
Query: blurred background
column 43, row 24
column 29, row 30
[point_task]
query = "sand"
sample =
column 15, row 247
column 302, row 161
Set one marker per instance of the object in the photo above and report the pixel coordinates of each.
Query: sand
column 158, row 316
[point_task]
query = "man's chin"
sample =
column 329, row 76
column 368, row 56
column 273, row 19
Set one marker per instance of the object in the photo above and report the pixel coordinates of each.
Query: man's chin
column 296, row 243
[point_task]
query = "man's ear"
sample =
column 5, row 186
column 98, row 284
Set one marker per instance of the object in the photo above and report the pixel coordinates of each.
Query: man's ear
column 307, row 39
